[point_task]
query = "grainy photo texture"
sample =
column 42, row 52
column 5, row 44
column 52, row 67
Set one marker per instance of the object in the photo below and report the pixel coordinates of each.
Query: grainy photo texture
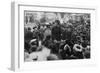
column 56, row 36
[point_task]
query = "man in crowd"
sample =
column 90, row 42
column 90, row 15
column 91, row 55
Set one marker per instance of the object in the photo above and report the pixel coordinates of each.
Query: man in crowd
column 56, row 31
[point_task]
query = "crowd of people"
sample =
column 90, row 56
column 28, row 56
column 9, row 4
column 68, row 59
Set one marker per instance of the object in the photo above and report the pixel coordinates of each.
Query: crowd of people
column 57, row 41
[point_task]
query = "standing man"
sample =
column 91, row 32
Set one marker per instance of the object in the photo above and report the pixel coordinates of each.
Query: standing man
column 56, row 34
column 56, row 31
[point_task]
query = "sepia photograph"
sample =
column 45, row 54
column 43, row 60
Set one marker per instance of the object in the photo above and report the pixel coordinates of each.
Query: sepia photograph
column 52, row 36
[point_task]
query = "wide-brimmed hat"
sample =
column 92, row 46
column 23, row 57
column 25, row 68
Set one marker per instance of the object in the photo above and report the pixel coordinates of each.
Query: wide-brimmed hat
column 77, row 48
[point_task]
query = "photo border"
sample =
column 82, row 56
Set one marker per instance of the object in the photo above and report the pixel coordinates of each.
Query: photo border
column 16, row 64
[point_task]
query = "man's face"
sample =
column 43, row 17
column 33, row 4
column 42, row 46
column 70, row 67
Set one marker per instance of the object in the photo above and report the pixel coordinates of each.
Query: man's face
column 36, row 28
column 68, row 29
column 55, row 24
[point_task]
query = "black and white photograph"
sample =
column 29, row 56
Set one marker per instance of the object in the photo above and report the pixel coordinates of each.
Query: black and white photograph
column 56, row 36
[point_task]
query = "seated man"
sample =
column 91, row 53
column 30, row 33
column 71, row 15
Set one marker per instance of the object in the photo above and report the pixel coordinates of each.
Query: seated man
column 27, row 57
column 34, row 44
column 87, row 52
column 77, row 50
column 40, row 55
column 65, row 52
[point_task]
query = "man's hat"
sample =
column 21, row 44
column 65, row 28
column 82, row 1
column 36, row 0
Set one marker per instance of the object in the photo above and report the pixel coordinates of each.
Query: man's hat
column 57, row 21
column 77, row 48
